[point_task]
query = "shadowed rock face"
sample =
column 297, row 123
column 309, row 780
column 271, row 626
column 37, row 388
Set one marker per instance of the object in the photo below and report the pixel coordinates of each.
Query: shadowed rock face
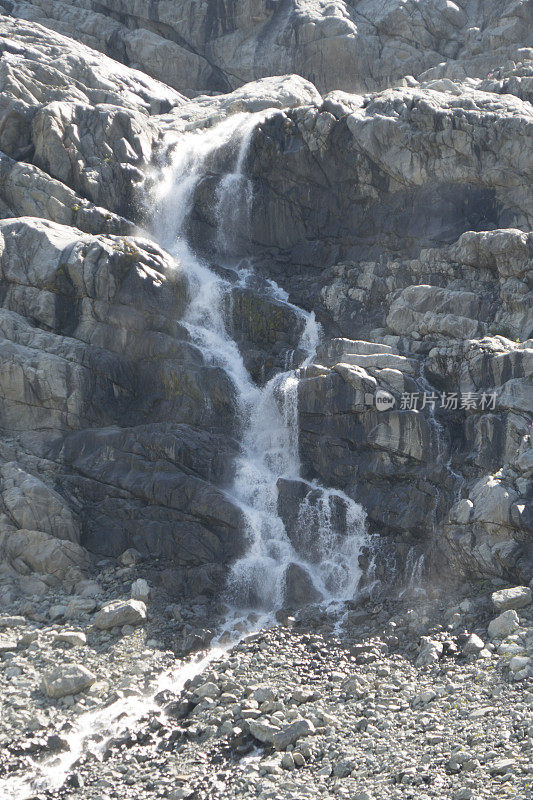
column 401, row 217
column 91, row 346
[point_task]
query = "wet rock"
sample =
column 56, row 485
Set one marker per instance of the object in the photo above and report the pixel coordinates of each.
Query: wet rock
column 299, row 587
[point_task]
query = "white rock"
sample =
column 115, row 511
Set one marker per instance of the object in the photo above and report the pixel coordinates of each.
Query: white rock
column 11, row 622
column 262, row 730
column 430, row 652
column 7, row 643
column 517, row 597
column 208, row 689
column 473, row 645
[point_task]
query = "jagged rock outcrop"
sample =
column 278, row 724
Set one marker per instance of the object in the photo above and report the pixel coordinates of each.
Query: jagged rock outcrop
column 82, row 121
column 356, row 46
column 366, row 175
column 401, row 216
column 94, row 361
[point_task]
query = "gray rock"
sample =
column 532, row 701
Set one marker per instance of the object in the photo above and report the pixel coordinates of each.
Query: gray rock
column 504, row 625
column 67, row 679
column 262, row 730
column 7, row 621
column 299, row 587
column 344, row 767
column 140, row 590
column 519, row 663
column 79, row 606
column 334, row 46
column 119, row 613
column 74, row 638
column 501, row 766
column 473, row 645
column 430, row 652
column 7, row 643
column 290, row 734
column 208, row 689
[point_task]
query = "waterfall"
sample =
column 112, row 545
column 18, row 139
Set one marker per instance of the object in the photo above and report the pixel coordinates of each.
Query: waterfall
column 269, row 414
column 269, row 449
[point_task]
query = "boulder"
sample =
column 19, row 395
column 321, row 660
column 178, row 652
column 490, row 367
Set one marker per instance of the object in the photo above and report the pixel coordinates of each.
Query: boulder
column 119, row 613
column 40, row 552
column 299, row 588
column 430, row 652
column 7, row 643
column 35, row 506
column 73, row 638
column 473, row 645
column 140, row 590
column 67, row 679
column 516, row 597
column 504, row 625
column 262, row 730
column 336, row 47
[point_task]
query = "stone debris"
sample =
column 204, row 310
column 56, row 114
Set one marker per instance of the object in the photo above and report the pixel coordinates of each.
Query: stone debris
column 294, row 703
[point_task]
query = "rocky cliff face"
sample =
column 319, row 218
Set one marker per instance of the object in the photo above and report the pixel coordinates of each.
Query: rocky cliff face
column 356, row 46
column 401, row 217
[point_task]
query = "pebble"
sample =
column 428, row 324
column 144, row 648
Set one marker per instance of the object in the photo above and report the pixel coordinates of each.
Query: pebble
column 268, row 720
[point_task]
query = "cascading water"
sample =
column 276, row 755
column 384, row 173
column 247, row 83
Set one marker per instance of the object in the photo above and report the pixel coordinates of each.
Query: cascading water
column 269, row 446
column 269, row 414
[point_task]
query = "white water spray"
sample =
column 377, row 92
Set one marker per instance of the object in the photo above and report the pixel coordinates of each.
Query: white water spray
column 269, row 414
